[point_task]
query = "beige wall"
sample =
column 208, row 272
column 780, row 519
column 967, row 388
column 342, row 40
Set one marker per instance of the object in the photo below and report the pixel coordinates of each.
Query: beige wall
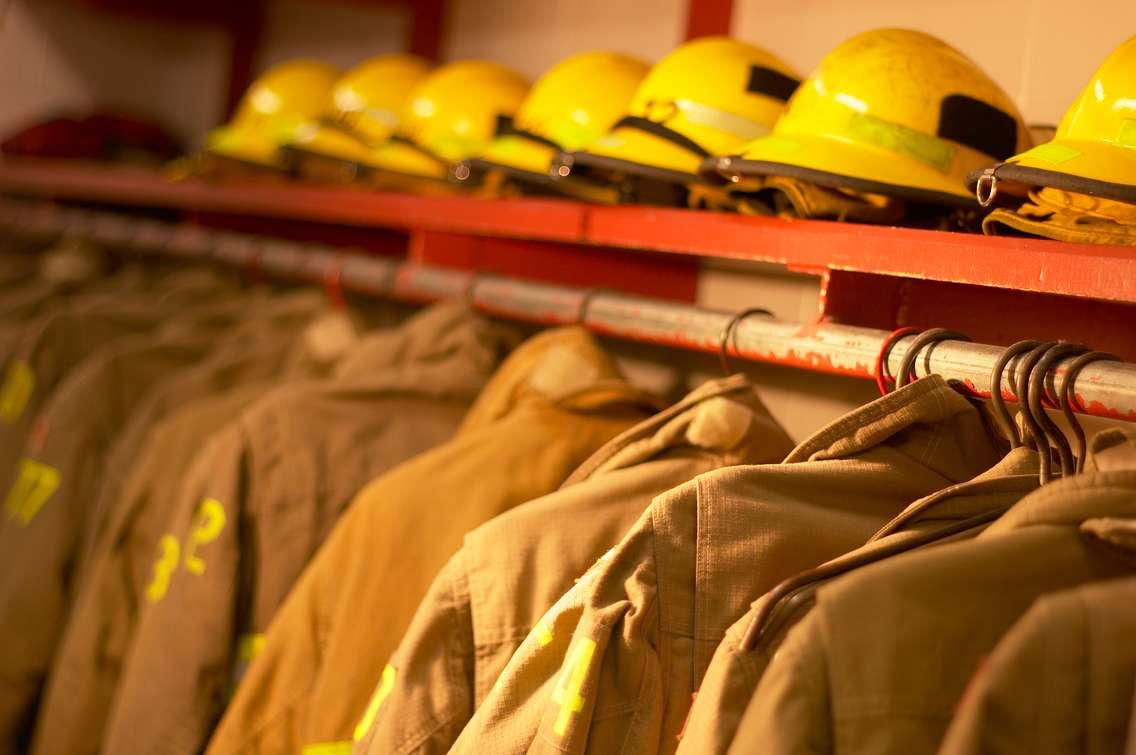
column 1041, row 51
column 341, row 33
column 531, row 35
column 57, row 57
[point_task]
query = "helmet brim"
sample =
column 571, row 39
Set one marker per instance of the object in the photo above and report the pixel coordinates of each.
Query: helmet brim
column 332, row 142
column 863, row 168
column 640, row 153
column 405, row 159
column 1084, row 168
column 244, row 145
column 516, row 153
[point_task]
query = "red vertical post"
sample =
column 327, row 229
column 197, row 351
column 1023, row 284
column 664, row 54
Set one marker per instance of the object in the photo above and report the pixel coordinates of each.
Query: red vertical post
column 245, row 29
column 706, row 18
column 426, row 27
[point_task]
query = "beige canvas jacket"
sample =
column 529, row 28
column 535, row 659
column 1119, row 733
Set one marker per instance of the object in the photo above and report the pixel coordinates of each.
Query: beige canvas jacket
column 156, row 445
column 556, row 400
column 1061, row 680
column 955, row 512
column 487, row 599
column 51, row 496
column 259, row 500
column 48, row 347
column 612, row 666
column 881, row 662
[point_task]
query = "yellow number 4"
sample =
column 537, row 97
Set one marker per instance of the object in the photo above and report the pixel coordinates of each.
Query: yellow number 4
column 572, row 677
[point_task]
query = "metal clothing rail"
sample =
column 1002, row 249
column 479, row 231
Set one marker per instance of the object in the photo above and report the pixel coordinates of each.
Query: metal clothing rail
column 1106, row 389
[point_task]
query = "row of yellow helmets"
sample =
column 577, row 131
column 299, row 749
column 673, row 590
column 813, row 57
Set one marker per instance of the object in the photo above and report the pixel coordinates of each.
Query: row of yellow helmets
column 893, row 126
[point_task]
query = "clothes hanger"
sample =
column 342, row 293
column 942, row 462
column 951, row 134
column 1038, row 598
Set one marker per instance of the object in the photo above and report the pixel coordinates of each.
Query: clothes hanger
column 1067, row 398
column 883, row 377
column 728, row 332
column 1038, row 395
column 928, row 338
column 586, row 297
column 1001, row 413
column 1035, row 436
column 786, row 590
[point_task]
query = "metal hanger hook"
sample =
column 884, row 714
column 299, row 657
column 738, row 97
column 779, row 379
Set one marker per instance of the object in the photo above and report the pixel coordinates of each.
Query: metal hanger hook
column 882, row 375
column 586, row 297
column 1036, row 397
column 728, row 333
column 997, row 399
column 927, row 339
column 1066, row 395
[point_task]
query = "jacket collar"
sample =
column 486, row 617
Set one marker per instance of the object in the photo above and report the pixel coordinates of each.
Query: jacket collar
column 1000, row 486
column 562, row 366
column 943, row 429
column 441, row 330
column 724, row 416
column 1107, row 489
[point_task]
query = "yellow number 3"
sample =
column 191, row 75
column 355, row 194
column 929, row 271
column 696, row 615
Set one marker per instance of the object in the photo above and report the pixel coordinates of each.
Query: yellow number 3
column 571, row 681
column 168, row 552
column 207, row 525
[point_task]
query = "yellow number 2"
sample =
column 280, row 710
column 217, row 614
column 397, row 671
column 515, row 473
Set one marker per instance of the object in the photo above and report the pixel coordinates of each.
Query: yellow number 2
column 167, row 561
column 207, row 525
column 571, row 681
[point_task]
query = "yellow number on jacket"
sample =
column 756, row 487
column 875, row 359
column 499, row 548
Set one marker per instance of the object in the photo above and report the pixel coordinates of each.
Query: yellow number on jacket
column 19, row 382
column 207, row 525
column 571, row 681
column 34, row 484
column 164, row 565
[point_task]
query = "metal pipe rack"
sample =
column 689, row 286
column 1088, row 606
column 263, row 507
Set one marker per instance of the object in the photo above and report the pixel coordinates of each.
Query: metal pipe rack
column 1105, row 389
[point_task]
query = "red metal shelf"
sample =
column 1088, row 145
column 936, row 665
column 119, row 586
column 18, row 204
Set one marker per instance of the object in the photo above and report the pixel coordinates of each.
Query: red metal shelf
column 1098, row 272
column 1040, row 265
column 509, row 218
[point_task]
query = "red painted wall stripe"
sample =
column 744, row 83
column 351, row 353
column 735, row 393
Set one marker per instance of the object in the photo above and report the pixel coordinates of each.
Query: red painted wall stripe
column 427, row 24
column 705, row 18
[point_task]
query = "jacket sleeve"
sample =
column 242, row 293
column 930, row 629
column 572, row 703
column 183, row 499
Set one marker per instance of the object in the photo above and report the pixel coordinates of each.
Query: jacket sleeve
column 177, row 674
column 425, row 694
column 790, row 710
column 1026, row 696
